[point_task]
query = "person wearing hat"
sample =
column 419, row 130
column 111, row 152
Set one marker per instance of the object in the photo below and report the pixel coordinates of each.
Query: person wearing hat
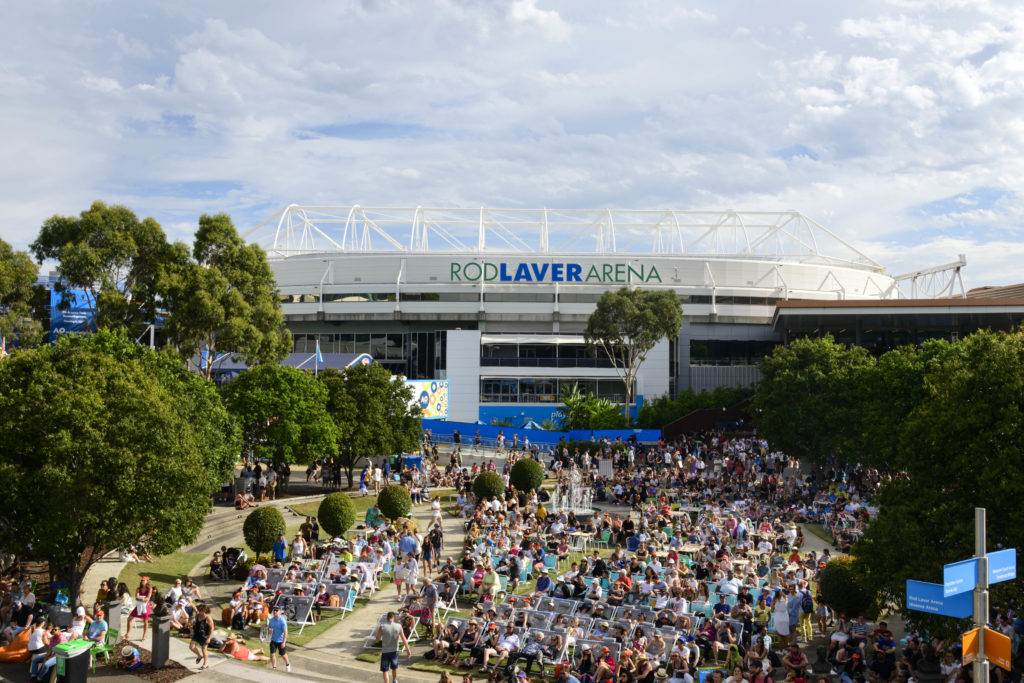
column 543, row 584
column 97, row 632
column 130, row 659
column 586, row 666
column 853, row 669
column 508, row 644
column 278, row 627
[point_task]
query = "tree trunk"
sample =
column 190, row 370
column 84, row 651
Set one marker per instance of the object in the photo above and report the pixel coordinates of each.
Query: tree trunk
column 349, row 471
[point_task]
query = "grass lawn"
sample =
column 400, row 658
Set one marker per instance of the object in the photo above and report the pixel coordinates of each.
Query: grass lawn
column 819, row 531
column 162, row 572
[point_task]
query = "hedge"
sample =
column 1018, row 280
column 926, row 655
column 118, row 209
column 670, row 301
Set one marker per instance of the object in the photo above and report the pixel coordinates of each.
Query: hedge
column 527, row 475
column 488, row 485
column 394, row 501
column 262, row 527
column 336, row 514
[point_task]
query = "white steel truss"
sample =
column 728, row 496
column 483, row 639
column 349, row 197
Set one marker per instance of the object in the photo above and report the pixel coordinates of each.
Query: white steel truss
column 938, row 282
column 770, row 235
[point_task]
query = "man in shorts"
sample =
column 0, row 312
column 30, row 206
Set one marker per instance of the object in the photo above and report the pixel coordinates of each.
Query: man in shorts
column 390, row 634
column 278, row 626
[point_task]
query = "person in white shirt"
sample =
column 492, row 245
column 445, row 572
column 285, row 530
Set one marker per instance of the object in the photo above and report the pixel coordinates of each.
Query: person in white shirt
column 728, row 586
column 508, row 644
column 174, row 593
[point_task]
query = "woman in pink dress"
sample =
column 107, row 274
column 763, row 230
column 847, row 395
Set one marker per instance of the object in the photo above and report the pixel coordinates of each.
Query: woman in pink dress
column 143, row 608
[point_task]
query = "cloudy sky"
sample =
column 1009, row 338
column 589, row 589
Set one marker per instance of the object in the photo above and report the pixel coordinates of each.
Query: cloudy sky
column 898, row 124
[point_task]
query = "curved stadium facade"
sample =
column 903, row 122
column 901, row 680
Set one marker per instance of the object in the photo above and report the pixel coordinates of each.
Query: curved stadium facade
column 495, row 300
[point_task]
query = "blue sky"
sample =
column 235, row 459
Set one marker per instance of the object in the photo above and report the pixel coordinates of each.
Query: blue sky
column 898, row 124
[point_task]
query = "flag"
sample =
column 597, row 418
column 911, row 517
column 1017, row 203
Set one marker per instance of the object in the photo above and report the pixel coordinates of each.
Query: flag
column 319, row 356
column 3, row 347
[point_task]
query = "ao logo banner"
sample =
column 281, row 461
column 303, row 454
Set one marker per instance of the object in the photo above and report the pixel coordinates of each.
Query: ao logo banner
column 431, row 395
column 73, row 317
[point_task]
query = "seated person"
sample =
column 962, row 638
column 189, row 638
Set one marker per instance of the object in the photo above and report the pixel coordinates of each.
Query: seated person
column 179, row 615
column 97, row 632
column 245, row 500
column 218, row 571
column 508, row 644
column 235, row 647
column 795, row 660
column 533, row 651
column 130, row 659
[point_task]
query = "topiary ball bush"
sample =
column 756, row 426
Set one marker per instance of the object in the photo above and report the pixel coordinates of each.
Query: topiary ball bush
column 527, row 475
column 261, row 528
column 488, row 485
column 394, row 502
column 336, row 514
column 842, row 588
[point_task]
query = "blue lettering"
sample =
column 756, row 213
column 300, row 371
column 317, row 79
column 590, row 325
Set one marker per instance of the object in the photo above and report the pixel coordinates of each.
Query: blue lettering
column 539, row 272
column 522, row 273
column 503, row 274
column 572, row 272
column 556, row 272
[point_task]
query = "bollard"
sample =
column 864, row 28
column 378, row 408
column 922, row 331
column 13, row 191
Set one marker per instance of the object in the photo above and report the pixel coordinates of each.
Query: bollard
column 160, row 627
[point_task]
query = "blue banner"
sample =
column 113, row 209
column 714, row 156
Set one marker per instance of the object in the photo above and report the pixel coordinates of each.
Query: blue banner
column 959, row 577
column 74, row 318
column 928, row 597
column 1002, row 565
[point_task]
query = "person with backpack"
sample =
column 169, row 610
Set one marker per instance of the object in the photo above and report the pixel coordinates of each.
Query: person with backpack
column 805, row 627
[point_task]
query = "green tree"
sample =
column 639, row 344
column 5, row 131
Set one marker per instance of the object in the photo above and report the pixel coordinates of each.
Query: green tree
column 959, row 448
column 106, row 445
column 394, row 501
column 574, row 411
column 527, row 475
column 488, row 485
column 628, row 323
column 807, row 404
column 372, row 412
column 283, row 413
column 108, row 252
column 842, row 588
column 336, row 513
column 589, row 412
column 18, row 273
column 261, row 528
column 660, row 411
column 222, row 301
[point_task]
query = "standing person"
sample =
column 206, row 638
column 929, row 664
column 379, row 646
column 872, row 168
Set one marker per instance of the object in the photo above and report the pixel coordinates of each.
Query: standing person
column 390, row 634
column 143, row 609
column 278, row 626
column 201, row 632
column 280, row 549
column 476, row 442
column 378, row 476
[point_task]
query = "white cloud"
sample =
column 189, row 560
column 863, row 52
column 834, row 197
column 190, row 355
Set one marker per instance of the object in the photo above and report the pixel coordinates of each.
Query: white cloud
column 182, row 107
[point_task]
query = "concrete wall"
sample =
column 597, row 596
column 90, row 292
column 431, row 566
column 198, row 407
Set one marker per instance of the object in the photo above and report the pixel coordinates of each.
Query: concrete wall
column 463, row 363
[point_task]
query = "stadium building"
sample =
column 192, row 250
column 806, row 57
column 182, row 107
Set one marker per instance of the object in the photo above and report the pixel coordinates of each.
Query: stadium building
column 494, row 301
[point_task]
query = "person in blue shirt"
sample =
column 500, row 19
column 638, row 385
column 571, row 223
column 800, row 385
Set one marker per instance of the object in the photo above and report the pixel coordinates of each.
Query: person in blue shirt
column 280, row 548
column 723, row 607
column 278, row 627
column 97, row 629
column 543, row 584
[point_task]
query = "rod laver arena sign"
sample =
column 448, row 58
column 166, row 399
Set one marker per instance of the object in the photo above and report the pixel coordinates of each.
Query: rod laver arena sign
column 474, row 271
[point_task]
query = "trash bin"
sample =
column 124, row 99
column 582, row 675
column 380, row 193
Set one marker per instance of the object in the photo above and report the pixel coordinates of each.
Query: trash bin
column 73, row 661
column 60, row 615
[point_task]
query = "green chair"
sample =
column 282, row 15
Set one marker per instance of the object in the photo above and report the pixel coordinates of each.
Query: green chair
column 107, row 647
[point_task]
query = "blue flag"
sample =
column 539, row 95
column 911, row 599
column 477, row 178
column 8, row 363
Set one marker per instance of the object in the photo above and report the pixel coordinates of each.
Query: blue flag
column 319, row 357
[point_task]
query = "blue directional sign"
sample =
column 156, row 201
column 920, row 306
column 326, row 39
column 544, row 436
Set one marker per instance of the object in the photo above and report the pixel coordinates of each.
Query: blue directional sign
column 928, row 597
column 959, row 577
column 1002, row 565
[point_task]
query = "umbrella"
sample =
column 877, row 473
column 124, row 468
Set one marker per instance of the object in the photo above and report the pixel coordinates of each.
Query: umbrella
column 256, row 568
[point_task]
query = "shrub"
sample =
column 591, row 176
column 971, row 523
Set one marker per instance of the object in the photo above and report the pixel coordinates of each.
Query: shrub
column 261, row 528
column 336, row 514
column 394, row 502
column 842, row 587
column 527, row 475
column 488, row 485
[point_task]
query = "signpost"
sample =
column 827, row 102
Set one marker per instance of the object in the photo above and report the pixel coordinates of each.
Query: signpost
column 964, row 589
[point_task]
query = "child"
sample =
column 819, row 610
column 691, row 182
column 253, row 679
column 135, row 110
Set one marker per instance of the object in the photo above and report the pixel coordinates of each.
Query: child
column 130, row 659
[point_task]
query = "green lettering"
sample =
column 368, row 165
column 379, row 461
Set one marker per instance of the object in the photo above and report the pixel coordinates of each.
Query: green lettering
column 592, row 274
column 465, row 271
column 653, row 274
column 638, row 273
column 490, row 272
column 620, row 271
column 606, row 272
column 455, row 273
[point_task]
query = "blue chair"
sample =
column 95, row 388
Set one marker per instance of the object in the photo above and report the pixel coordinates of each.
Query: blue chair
column 632, row 543
column 551, row 561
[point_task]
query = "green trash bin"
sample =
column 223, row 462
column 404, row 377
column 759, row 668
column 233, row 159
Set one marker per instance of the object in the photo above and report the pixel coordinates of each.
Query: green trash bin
column 73, row 661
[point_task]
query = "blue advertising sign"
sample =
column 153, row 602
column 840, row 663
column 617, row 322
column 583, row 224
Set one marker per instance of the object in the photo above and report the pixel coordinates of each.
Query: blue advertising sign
column 928, row 597
column 1002, row 565
column 74, row 316
column 959, row 577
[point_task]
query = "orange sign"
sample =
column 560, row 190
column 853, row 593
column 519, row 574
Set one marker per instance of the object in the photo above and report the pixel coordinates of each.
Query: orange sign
column 970, row 639
column 997, row 648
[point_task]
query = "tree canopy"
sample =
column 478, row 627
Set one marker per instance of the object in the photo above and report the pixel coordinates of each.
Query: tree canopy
column 394, row 501
column 336, row 513
column 106, row 445
column 261, row 528
column 109, row 253
column 283, row 413
column 222, row 299
column 371, row 411
column 586, row 411
column 627, row 324
column 18, row 273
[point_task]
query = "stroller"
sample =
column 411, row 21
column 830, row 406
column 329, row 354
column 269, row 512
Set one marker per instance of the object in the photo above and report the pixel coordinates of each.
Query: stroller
column 234, row 556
